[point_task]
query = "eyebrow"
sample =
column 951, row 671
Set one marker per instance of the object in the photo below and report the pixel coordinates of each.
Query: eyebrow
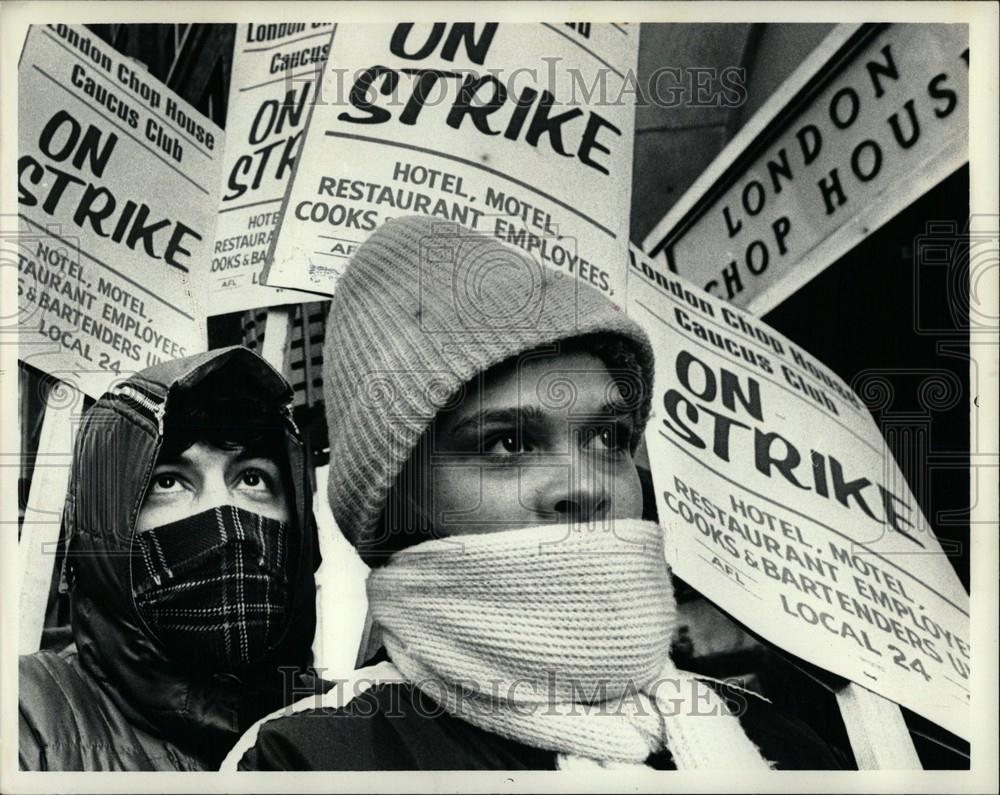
column 177, row 459
column 615, row 408
column 242, row 454
column 499, row 416
column 256, row 450
column 533, row 414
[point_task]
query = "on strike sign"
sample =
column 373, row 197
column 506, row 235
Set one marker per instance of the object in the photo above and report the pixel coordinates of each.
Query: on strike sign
column 271, row 90
column 783, row 505
column 520, row 131
column 117, row 180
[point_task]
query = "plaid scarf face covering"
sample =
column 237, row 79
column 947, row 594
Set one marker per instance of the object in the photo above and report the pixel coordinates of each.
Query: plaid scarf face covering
column 213, row 587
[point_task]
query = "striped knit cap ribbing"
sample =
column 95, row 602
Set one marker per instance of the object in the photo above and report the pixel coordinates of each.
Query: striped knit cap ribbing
column 423, row 307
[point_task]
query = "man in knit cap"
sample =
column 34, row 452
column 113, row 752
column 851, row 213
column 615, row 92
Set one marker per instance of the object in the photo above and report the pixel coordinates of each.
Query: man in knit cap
column 483, row 414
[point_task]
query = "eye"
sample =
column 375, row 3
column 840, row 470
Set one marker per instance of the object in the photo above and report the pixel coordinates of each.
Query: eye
column 254, row 479
column 616, row 438
column 507, row 443
column 165, row 482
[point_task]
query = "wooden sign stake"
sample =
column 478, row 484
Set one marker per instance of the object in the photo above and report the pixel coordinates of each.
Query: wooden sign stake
column 877, row 731
column 43, row 514
column 278, row 336
column 368, row 640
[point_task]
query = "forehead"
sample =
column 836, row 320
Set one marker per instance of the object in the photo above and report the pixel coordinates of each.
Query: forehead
column 557, row 383
column 201, row 454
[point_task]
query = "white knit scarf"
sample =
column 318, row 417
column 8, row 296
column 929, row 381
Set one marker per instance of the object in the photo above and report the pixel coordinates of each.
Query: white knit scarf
column 558, row 637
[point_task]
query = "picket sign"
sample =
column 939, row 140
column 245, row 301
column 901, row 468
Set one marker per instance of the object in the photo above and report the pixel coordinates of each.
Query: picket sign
column 699, row 240
column 717, row 236
column 43, row 514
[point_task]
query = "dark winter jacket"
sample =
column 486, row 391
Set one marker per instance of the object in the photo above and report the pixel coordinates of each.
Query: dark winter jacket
column 396, row 726
column 116, row 701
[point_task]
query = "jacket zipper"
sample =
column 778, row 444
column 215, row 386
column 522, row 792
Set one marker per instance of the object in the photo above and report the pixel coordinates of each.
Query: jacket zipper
column 288, row 414
column 157, row 409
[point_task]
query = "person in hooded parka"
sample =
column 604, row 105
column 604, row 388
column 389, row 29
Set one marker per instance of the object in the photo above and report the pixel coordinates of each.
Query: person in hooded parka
column 191, row 553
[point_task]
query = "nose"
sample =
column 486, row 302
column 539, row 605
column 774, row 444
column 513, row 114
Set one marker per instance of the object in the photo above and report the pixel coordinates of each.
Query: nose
column 580, row 508
column 579, row 493
column 214, row 491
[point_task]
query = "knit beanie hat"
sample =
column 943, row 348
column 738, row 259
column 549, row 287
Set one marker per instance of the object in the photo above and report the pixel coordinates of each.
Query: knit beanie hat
column 423, row 307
